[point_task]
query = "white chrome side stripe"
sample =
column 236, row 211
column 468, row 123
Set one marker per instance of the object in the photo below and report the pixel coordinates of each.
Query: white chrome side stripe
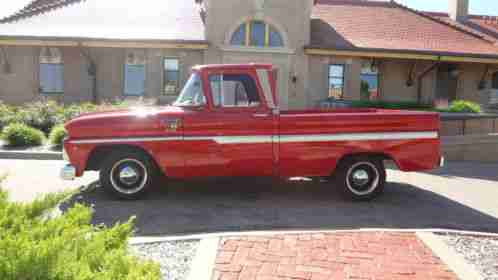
column 126, row 140
column 269, row 139
column 359, row 136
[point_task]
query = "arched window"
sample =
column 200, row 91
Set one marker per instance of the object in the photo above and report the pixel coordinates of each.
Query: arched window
column 51, row 71
column 256, row 33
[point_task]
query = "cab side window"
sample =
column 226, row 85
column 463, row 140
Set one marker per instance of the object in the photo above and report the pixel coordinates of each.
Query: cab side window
column 234, row 90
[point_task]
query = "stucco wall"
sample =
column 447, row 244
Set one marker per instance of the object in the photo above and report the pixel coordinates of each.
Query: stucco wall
column 21, row 85
column 290, row 17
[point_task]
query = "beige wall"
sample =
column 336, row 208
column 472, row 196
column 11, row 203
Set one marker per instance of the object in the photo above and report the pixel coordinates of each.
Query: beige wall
column 22, row 84
column 393, row 76
column 290, row 17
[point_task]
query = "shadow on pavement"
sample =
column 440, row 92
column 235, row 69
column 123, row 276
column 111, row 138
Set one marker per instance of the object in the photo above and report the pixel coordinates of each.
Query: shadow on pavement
column 235, row 205
column 468, row 169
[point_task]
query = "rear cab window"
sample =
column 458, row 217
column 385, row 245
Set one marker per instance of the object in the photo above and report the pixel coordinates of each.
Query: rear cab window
column 234, row 91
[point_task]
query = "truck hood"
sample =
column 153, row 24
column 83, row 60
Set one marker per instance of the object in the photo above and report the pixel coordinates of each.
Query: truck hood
column 122, row 123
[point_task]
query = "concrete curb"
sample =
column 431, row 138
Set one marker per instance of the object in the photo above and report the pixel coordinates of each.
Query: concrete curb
column 156, row 239
column 30, row 155
column 203, row 263
column 456, row 263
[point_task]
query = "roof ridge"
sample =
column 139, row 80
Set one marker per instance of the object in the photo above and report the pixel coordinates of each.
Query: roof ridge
column 456, row 27
column 29, row 11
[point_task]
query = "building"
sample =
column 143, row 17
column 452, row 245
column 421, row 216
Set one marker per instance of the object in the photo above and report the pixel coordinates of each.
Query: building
column 93, row 50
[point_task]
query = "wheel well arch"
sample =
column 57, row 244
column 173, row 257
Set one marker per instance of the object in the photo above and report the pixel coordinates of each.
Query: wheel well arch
column 98, row 153
column 379, row 155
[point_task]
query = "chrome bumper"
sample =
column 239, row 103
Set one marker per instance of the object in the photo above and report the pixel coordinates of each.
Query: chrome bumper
column 68, row 172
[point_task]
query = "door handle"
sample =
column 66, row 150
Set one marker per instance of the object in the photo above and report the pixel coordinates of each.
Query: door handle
column 261, row 115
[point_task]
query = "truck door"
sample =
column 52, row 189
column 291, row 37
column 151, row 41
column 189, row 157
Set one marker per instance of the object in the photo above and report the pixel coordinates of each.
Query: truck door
column 244, row 124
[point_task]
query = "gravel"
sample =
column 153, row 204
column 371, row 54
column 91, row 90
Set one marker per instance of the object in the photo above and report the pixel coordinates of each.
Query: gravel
column 174, row 258
column 480, row 252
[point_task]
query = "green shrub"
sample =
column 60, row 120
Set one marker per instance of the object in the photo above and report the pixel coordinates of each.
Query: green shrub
column 40, row 115
column 65, row 247
column 8, row 115
column 57, row 135
column 18, row 135
column 464, row 106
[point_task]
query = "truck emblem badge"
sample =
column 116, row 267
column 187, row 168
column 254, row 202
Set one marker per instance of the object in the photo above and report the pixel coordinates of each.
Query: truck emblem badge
column 172, row 124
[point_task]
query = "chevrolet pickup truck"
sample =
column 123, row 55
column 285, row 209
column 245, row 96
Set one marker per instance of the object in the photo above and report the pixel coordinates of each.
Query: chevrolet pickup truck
column 226, row 122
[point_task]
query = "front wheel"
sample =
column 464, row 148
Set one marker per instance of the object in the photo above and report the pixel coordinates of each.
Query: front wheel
column 361, row 178
column 127, row 174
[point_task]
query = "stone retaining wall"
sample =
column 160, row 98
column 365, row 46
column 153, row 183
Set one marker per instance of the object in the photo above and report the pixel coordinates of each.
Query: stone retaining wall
column 470, row 137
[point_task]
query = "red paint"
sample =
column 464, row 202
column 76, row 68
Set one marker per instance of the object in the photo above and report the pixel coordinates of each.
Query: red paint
column 182, row 158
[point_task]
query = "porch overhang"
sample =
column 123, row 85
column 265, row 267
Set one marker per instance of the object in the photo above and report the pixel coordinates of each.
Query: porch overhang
column 412, row 55
column 102, row 43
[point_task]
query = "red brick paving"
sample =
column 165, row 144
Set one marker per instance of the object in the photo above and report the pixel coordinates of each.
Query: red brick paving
column 337, row 256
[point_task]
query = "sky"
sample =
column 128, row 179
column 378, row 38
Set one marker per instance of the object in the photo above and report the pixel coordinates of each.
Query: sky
column 478, row 7
column 484, row 7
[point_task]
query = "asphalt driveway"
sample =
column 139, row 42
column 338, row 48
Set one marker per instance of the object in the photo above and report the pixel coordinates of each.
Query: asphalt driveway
column 462, row 196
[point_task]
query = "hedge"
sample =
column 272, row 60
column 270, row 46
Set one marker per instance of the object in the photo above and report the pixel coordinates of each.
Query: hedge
column 67, row 247
column 21, row 135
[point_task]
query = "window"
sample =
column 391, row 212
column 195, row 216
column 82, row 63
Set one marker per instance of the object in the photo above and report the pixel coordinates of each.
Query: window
column 257, row 33
column 234, row 90
column 51, row 74
column 369, row 78
column 134, row 74
column 336, row 81
column 192, row 94
column 171, row 76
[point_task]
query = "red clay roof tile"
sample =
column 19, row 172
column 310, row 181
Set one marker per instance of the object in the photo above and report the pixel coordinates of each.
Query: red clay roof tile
column 357, row 24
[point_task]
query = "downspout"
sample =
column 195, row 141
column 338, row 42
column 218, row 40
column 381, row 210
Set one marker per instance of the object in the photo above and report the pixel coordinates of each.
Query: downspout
column 420, row 79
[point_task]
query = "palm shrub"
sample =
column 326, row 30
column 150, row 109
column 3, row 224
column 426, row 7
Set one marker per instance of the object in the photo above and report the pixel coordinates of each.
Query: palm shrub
column 66, row 247
column 57, row 135
column 20, row 135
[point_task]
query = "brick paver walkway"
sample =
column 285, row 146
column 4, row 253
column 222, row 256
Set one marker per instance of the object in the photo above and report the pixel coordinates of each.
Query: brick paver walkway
column 372, row 255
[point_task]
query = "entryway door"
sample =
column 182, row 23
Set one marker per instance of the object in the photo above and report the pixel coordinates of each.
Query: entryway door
column 447, row 84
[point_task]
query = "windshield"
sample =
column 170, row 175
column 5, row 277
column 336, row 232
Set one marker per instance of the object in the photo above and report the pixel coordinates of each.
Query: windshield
column 192, row 94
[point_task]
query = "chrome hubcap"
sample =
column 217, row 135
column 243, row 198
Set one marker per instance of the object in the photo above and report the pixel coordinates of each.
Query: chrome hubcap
column 128, row 176
column 360, row 177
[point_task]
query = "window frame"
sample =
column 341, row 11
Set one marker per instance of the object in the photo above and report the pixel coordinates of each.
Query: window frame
column 262, row 102
column 329, row 76
column 178, row 81
column 248, row 34
column 378, row 76
column 60, row 63
column 124, row 80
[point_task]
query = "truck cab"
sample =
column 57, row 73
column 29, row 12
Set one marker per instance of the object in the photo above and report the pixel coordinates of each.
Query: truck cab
column 226, row 122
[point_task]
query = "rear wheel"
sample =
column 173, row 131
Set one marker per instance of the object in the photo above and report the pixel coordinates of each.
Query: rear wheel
column 361, row 178
column 127, row 174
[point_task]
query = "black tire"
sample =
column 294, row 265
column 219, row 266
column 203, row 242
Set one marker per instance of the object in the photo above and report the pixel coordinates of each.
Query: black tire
column 128, row 174
column 361, row 178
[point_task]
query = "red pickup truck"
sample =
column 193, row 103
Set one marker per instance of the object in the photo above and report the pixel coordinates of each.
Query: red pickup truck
column 226, row 122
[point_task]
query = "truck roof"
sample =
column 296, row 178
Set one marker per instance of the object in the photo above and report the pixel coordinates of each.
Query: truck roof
column 233, row 66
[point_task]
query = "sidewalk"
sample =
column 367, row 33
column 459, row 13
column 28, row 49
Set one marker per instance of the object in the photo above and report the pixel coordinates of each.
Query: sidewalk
column 355, row 255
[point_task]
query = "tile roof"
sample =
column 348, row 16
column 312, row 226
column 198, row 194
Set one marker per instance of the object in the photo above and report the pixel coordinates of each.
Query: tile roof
column 166, row 20
column 485, row 26
column 383, row 25
column 37, row 7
